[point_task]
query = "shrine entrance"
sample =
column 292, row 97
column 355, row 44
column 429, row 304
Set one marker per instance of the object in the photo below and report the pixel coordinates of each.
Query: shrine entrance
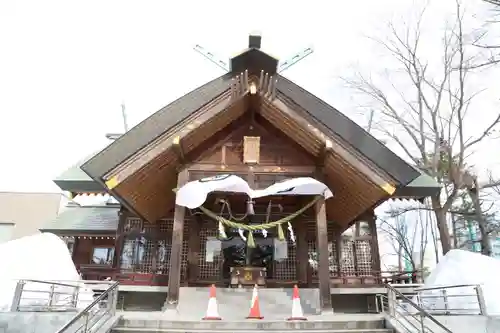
column 243, row 265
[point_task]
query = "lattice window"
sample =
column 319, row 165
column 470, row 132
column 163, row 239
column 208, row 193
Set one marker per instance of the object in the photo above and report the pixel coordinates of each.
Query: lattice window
column 164, row 252
column 164, row 247
column 332, row 259
column 150, row 228
column 364, row 258
column 313, row 257
column 185, row 250
column 286, row 268
column 348, row 268
column 166, row 225
column 133, row 223
column 209, row 270
column 137, row 255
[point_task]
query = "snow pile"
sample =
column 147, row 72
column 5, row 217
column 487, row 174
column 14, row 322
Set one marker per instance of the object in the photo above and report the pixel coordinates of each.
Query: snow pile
column 43, row 257
column 460, row 267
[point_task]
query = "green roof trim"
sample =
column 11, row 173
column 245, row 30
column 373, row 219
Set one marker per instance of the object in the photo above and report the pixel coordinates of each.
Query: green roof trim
column 75, row 179
column 424, row 180
column 421, row 187
column 81, row 219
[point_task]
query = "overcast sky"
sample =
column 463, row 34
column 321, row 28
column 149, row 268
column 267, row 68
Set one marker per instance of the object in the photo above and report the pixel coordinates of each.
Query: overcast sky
column 66, row 66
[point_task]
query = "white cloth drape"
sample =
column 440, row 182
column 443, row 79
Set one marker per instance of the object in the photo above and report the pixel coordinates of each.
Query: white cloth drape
column 193, row 194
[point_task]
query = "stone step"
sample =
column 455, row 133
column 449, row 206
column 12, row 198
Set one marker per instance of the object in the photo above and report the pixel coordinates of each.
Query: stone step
column 331, row 323
column 146, row 330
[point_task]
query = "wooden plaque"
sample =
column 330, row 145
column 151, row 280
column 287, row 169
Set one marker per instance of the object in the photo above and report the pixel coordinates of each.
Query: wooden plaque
column 251, row 149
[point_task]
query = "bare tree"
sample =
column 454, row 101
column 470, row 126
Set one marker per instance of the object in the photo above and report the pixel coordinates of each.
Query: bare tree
column 473, row 213
column 424, row 111
column 492, row 48
column 408, row 238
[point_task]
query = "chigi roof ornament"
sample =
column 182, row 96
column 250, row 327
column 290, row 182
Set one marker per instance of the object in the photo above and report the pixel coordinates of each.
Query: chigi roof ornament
column 246, row 58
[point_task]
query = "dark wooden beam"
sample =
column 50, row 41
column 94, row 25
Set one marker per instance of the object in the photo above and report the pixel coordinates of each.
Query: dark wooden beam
column 323, row 262
column 355, row 238
column 371, row 218
column 194, row 247
column 123, row 215
column 321, row 158
column 302, row 253
column 174, row 273
column 255, row 168
column 339, row 244
column 179, row 151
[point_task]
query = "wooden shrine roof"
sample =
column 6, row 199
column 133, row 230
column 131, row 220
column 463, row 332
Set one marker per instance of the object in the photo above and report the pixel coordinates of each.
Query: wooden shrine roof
column 212, row 107
column 84, row 219
column 166, row 118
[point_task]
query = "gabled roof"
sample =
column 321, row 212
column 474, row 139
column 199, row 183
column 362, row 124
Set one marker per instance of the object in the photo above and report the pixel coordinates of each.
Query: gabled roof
column 75, row 220
column 328, row 119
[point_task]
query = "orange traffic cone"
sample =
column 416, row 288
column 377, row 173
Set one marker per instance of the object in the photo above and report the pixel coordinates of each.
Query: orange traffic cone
column 254, row 306
column 213, row 308
column 297, row 313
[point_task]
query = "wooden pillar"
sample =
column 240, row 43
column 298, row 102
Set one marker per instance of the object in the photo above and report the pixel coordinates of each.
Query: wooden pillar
column 323, row 262
column 174, row 273
column 155, row 239
column 376, row 267
column 194, row 246
column 338, row 251
column 355, row 236
column 120, row 236
column 302, row 253
column 75, row 247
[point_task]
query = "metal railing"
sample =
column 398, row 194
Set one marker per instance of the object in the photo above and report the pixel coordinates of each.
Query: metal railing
column 48, row 296
column 96, row 314
column 466, row 299
column 408, row 314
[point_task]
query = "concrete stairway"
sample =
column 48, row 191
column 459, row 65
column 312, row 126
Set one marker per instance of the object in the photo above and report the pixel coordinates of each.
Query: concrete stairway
column 234, row 304
column 165, row 323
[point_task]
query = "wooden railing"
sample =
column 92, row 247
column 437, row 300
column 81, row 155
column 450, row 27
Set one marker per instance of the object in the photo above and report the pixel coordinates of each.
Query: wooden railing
column 376, row 278
column 101, row 273
column 94, row 272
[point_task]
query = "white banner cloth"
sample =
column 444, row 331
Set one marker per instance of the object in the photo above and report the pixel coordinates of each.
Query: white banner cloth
column 193, row 194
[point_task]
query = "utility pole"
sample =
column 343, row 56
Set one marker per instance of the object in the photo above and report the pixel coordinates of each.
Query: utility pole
column 124, row 117
column 114, row 136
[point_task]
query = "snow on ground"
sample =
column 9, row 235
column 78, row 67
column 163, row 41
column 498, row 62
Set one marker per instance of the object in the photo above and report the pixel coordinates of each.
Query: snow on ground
column 39, row 257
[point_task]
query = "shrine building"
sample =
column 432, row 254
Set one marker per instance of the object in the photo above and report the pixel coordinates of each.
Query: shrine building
column 255, row 124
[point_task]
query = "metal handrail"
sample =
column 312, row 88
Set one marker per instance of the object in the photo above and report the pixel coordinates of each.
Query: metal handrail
column 52, row 282
column 447, row 287
column 421, row 311
column 85, row 311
